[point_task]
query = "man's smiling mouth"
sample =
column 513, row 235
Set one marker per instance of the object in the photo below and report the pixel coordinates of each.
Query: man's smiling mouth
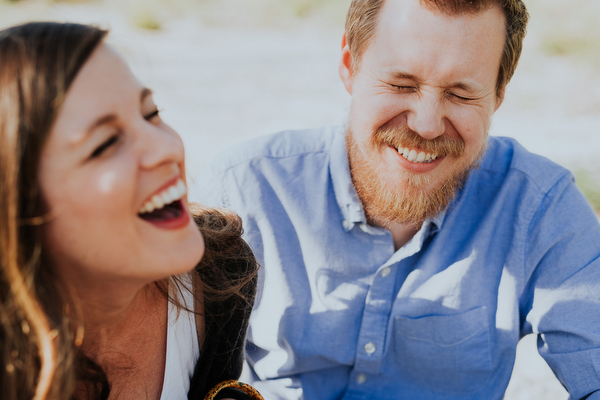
column 416, row 156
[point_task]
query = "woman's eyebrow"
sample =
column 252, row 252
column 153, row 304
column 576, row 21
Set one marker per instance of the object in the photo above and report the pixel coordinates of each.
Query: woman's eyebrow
column 145, row 93
column 106, row 119
column 103, row 120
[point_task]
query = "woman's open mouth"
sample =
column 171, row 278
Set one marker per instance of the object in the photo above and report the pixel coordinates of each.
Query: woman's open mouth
column 167, row 212
column 165, row 209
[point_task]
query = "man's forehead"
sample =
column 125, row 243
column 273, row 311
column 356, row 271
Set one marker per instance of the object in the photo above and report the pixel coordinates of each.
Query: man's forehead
column 448, row 7
column 459, row 51
column 406, row 20
column 400, row 12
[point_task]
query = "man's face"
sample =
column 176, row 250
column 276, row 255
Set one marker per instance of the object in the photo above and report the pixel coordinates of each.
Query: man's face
column 422, row 102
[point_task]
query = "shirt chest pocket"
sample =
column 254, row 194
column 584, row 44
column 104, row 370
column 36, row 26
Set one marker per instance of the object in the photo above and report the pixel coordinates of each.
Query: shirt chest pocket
column 445, row 353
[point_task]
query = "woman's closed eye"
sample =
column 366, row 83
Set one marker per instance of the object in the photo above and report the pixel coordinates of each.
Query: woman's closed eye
column 153, row 116
column 105, row 146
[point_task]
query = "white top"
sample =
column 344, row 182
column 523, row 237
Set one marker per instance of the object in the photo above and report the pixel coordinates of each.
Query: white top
column 182, row 346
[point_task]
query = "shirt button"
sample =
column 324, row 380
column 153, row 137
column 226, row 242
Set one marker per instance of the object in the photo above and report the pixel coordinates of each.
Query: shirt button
column 370, row 348
column 385, row 272
column 361, row 378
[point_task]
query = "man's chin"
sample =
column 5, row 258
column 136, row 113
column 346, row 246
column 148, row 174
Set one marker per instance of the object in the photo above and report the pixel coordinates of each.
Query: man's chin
column 409, row 201
column 407, row 207
column 405, row 197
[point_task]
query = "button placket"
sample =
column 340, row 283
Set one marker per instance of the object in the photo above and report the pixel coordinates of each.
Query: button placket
column 373, row 331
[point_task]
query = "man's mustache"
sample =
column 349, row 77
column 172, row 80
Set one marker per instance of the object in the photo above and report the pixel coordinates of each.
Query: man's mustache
column 403, row 136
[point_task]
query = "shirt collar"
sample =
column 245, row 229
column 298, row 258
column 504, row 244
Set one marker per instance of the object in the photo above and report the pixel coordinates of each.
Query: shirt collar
column 343, row 187
column 345, row 193
column 437, row 222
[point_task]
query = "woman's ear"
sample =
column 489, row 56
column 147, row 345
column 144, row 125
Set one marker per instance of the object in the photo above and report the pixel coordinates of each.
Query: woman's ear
column 345, row 67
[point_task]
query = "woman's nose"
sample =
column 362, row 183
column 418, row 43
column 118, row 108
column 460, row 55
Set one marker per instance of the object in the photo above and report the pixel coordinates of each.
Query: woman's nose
column 160, row 145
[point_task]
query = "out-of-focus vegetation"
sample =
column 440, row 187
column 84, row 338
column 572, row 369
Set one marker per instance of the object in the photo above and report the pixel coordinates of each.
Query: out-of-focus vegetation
column 46, row 1
column 564, row 27
column 589, row 183
column 154, row 14
column 567, row 28
column 271, row 12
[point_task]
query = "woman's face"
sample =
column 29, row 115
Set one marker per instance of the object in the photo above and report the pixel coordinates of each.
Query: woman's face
column 112, row 177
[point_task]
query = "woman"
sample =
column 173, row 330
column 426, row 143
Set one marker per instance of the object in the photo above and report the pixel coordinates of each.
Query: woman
column 99, row 295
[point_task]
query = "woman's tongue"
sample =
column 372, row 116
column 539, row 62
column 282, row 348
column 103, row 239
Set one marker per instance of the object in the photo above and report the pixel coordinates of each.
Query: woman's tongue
column 168, row 212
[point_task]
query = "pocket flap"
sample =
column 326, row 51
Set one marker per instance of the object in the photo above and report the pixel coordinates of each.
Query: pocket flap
column 443, row 329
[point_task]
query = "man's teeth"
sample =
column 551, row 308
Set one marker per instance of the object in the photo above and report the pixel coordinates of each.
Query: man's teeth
column 413, row 156
column 167, row 196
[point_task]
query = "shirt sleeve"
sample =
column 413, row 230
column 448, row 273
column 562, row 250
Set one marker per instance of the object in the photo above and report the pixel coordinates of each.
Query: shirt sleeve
column 561, row 301
column 208, row 188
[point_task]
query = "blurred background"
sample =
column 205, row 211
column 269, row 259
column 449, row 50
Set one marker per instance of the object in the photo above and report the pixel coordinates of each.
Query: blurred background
column 224, row 71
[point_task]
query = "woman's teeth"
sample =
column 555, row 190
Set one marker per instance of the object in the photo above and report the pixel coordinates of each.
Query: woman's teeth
column 167, row 196
column 413, row 156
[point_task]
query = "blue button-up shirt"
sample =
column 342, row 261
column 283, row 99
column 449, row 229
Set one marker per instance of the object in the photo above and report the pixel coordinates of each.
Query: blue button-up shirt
column 342, row 315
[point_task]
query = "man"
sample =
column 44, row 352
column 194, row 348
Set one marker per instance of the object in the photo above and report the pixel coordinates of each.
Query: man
column 406, row 254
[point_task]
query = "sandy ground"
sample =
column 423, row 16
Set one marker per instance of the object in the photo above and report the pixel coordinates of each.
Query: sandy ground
column 220, row 84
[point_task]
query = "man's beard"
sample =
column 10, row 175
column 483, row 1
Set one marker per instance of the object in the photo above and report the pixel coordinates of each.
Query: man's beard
column 407, row 201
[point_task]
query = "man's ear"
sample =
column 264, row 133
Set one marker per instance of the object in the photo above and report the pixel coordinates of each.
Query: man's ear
column 345, row 68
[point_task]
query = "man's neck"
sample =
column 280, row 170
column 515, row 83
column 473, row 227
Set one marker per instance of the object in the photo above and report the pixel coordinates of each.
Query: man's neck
column 401, row 233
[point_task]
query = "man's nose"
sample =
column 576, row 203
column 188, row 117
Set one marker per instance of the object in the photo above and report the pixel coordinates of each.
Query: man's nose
column 160, row 145
column 426, row 116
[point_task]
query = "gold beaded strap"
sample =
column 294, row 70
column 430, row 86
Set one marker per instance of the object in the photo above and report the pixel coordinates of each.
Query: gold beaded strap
column 244, row 387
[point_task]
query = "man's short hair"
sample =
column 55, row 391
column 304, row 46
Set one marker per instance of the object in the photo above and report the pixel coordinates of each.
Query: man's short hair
column 361, row 22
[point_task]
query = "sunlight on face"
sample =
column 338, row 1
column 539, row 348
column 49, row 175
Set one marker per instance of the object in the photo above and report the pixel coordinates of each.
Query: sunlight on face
column 111, row 174
column 430, row 74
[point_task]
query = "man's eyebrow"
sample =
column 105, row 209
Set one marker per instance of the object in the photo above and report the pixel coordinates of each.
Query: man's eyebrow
column 403, row 75
column 464, row 86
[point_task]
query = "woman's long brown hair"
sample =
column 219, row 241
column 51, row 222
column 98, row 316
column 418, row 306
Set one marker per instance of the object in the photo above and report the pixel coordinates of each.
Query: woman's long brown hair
column 38, row 63
column 228, row 276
